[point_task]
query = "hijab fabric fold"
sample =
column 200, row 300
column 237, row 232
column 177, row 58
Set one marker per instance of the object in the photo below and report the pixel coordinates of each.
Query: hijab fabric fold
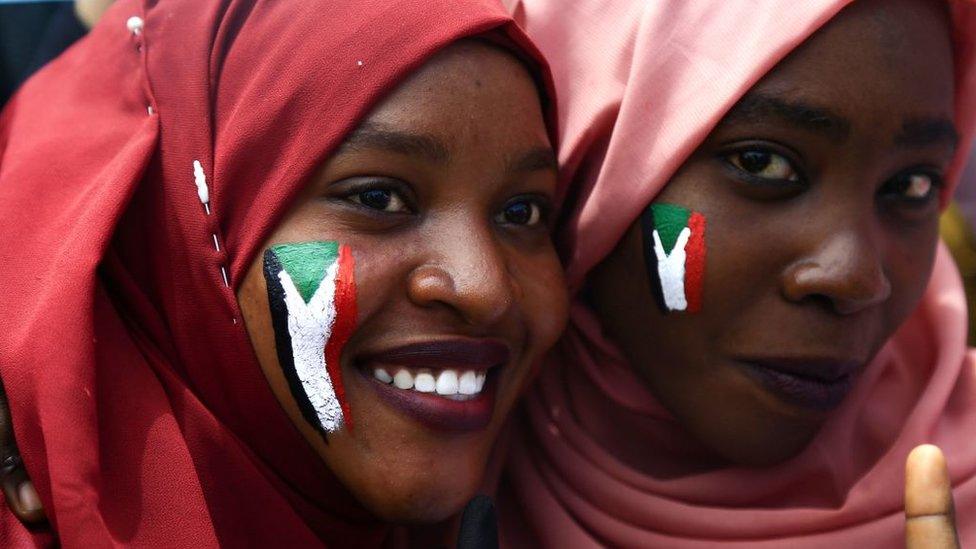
column 140, row 410
column 641, row 84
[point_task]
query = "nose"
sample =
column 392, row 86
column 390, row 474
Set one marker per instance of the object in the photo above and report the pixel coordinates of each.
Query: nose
column 845, row 270
column 468, row 275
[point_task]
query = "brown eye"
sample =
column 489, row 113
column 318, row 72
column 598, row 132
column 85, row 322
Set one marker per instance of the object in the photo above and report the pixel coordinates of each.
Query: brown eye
column 764, row 164
column 914, row 187
column 380, row 199
column 520, row 212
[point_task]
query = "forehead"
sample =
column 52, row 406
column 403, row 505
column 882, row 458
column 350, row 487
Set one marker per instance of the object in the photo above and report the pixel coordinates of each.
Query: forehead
column 469, row 89
column 877, row 61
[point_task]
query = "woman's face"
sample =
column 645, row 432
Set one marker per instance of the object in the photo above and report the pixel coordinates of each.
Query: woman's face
column 820, row 194
column 442, row 197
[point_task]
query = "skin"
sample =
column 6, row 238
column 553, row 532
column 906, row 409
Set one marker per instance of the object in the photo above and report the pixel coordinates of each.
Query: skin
column 447, row 255
column 930, row 521
column 828, row 251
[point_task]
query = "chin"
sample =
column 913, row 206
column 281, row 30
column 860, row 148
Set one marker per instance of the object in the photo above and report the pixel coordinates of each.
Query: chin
column 429, row 504
column 748, row 427
column 764, row 442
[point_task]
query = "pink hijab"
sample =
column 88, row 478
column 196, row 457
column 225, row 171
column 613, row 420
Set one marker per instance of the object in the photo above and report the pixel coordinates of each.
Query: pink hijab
column 640, row 85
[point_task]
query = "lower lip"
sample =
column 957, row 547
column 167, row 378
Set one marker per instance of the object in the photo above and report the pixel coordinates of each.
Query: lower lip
column 804, row 392
column 440, row 413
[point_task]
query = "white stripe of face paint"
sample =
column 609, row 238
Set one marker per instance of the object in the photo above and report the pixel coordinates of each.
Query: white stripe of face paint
column 310, row 326
column 671, row 270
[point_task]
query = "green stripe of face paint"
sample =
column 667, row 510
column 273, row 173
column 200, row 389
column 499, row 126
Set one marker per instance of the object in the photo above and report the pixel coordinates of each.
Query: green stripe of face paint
column 669, row 220
column 306, row 263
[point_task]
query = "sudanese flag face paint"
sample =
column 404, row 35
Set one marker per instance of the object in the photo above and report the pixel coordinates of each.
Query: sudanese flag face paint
column 674, row 253
column 312, row 294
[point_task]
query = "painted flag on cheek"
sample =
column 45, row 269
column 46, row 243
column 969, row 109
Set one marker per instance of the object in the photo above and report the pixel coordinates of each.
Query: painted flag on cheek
column 674, row 253
column 312, row 295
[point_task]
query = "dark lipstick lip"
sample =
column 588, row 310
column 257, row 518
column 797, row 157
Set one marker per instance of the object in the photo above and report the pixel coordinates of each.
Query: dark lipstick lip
column 815, row 383
column 440, row 413
column 824, row 370
column 458, row 353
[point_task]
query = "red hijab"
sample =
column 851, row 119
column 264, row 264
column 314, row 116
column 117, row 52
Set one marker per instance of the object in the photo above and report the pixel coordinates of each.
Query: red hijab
column 141, row 413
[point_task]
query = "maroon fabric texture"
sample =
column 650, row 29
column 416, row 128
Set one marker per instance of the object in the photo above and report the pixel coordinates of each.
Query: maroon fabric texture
column 138, row 404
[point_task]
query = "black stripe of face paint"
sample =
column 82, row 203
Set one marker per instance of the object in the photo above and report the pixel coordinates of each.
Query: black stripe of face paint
column 650, row 258
column 279, row 321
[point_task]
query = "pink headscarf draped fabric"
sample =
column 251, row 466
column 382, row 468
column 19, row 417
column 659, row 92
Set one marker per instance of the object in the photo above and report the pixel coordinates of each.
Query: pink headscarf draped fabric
column 640, row 85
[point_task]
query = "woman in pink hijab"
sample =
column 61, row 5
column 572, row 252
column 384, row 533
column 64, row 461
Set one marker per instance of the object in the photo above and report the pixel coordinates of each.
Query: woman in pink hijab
column 765, row 324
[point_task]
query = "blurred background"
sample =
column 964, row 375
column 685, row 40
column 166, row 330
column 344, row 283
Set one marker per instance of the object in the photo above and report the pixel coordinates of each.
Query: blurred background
column 32, row 32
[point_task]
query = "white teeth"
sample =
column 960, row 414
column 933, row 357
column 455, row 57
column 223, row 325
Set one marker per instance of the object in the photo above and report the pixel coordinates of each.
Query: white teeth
column 424, row 382
column 468, row 383
column 403, row 380
column 447, row 383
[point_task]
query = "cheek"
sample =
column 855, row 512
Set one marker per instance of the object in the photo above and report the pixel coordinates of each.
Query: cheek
column 252, row 297
column 685, row 304
column 312, row 301
column 675, row 250
column 377, row 276
column 630, row 314
column 544, row 299
column 743, row 270
column 910, row 259
column 701, row 268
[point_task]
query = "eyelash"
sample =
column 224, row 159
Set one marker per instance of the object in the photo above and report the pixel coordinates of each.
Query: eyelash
column 729, row 157
column 395, row 190
column 935, row 178
column 539, row 215
column 936, row 182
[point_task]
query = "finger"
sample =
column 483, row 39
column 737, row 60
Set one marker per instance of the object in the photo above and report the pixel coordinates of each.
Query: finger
column 17, row 489
column 929, row 512
column 19, row 492
column 479, row 526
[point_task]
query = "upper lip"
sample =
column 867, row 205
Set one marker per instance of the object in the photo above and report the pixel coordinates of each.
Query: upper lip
column 824, row 370
column 469, row 354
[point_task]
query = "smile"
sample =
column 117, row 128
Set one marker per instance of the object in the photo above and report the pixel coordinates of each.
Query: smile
column 445, row 385
column 453, row 384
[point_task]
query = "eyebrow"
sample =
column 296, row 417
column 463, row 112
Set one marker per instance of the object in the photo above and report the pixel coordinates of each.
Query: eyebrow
column 918, row 133
column 757, row 108
column 377, row 136
column 536, row 159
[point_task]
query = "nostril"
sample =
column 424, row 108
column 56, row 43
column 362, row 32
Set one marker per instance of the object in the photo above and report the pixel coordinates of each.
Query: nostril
column 821, row 301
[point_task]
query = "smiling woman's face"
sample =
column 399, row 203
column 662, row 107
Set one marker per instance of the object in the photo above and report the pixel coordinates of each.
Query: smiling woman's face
column 819, row 192
column 441, row 197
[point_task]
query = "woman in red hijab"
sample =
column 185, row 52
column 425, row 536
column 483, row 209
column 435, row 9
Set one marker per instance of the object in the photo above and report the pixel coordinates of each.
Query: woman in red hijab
column 286, row 265
column 764, row 324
